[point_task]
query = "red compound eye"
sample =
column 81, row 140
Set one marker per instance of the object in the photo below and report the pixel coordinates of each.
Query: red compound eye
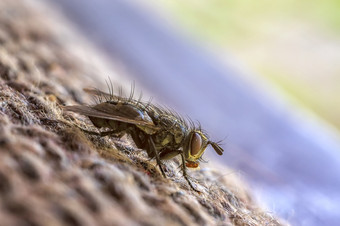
column 196, row 144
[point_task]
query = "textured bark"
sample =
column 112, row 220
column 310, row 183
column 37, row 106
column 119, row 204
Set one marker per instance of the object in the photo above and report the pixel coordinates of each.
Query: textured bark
column 53, row 174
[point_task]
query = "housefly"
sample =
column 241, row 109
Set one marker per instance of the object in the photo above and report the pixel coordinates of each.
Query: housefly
column 161, row 132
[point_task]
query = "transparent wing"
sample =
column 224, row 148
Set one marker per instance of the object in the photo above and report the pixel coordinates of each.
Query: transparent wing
column 111, row 115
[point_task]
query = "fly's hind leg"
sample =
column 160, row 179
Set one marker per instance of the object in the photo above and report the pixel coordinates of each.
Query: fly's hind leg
column 112, row 133
column 185, row 175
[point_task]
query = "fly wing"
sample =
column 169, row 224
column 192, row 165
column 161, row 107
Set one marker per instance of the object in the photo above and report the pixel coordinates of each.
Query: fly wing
column 124, row 110
column 92, row 112
column 97, row 92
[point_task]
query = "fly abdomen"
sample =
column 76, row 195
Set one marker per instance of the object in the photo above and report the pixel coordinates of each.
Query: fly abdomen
column 99, row 122
column 109, row 124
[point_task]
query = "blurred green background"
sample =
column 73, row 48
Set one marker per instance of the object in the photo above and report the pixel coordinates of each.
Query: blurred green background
column 295, row 45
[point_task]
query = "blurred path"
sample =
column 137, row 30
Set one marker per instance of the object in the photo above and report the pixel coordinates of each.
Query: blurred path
column 293, row 166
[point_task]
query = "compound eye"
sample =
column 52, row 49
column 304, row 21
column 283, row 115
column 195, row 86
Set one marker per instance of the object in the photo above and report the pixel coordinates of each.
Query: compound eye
column 196, row 144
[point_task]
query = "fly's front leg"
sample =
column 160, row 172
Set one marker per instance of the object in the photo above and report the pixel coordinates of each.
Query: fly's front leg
column 185, row 175
column 154, row 150
column 166, row 154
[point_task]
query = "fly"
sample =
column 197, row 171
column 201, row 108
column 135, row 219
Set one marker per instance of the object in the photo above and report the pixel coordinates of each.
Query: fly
column 162, row 133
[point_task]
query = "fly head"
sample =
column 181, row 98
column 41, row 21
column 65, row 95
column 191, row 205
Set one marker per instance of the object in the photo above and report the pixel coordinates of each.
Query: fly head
column 195, row 146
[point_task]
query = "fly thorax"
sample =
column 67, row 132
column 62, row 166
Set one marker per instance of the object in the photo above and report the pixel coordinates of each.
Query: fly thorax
column 179, row 134
column 168, row 139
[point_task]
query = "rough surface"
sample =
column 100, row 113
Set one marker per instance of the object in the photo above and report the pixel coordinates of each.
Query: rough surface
column 53, row 174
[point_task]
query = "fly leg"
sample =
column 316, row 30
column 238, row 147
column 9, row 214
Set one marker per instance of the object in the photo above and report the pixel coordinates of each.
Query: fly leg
column 113, row 133
column 154, row 150
column 185, row 175
column 135, row 134
column 103, row 134
column 149, row 146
